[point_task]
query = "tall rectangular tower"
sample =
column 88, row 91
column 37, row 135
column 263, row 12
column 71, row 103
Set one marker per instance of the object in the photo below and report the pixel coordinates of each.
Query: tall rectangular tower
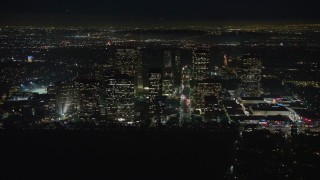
column 89, row 98
column 120, row 98
column 200, row 62
column 129, row 61
column 67, row 99
column 250, row 76
column 168, row 74
column 155, row 88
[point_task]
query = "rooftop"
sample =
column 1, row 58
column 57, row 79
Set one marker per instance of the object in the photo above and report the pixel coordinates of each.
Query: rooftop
column 306, row 113
column 269, row 108
column 252, row 98
column 258, row 118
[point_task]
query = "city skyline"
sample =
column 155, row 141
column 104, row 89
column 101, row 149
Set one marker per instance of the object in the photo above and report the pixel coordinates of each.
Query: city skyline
column 108, row 74
column 159, row 89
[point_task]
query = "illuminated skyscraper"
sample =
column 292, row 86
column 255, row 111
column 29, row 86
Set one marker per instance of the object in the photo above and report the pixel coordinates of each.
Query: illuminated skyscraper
column 125, row 61
column 206, row 87
column 168, row 75
column 160, row 107
column 48, row 102
column 200, row 62
column 88, row 98
column 129, row 61
column 167, row 59
column 171, row 70
column 155, row 88
column 67, row 99
column 211, row 109
column 250, row 76
column 139, row 71
column 120, row 98
column 177, row 68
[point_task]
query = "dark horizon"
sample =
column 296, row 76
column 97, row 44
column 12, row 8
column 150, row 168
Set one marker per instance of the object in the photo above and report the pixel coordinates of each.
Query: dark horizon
column 95, row 12
column 98, row 21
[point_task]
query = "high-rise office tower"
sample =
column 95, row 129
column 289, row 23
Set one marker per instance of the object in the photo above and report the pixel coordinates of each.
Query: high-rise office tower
column 168, row 74
column 67, row 99
column 206, row 87
column 48, row 103
column 109, row 73
column 167, row 59
column 88, row 98
column 129, row 61
column 200, row 62
column 211, row 109
column 249, row 74
column 125, row 61
column 139, row 70
column 160, row 108
column 120, row 97
column 177, row 67
column 155, row 88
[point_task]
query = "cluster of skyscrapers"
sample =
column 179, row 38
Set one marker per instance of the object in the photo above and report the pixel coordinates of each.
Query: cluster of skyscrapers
column 125, row 89
column 116, row 88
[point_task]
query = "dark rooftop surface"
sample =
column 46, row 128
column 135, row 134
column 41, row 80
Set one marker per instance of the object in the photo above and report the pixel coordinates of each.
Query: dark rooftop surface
column 307, row 114
column 269, row 108
column 252, row 98
column 272, row 118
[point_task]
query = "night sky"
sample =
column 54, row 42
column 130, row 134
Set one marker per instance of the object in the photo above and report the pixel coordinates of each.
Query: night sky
column 97, row 11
